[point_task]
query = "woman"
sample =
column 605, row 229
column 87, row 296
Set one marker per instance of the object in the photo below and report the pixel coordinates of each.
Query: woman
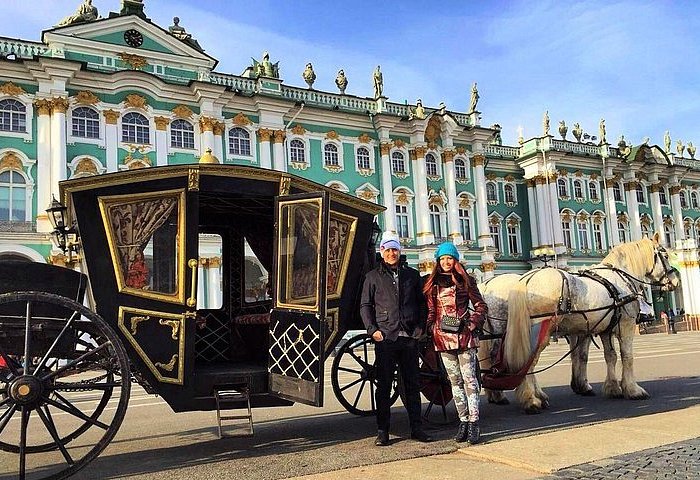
column 448, row 291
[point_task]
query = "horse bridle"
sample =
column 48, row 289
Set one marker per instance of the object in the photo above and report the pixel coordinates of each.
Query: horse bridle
column 660, row 255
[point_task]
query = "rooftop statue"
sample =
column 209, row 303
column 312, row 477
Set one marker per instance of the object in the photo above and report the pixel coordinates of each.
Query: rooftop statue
column 181, row 34
column 680, row 148
column 691, row 150
column 309, row 75
column 667, row 141
column 378, row 80
column 563, row 129
column 545, row 123
column 419, row 112
column 601, row 132
column 474, row 99
column 86, row 12
column 624, row 148
column 341, row 81
column 577, row 131
column 265, row 68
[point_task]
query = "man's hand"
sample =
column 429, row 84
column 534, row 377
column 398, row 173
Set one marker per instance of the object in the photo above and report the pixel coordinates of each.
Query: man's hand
column 377, row 336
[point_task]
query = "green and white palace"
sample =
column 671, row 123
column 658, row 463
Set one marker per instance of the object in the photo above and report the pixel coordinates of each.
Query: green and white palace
column 104, row 93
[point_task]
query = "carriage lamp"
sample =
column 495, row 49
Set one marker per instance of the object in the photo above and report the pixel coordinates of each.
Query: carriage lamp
column 376, row 234
column 65, row 238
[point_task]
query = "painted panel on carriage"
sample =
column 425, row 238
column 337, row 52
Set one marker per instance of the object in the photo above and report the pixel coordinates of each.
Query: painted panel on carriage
column 341, row 238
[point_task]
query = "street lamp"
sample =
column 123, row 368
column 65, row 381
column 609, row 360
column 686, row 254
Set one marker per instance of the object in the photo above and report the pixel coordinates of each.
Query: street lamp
column 65, row 238
column 544, row 255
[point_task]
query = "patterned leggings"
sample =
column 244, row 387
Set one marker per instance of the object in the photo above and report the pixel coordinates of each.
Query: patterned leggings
column 461, row 370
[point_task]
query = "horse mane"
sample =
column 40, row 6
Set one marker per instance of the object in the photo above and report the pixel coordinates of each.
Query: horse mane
column 633, row 257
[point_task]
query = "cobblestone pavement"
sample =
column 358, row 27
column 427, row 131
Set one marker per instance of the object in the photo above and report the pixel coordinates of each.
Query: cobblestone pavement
column 677, row 461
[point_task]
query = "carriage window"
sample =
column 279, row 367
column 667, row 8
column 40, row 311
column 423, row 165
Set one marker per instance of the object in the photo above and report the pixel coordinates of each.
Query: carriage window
column 256, row 277
column 210, row 292
column 144, row 238
column 299, row 254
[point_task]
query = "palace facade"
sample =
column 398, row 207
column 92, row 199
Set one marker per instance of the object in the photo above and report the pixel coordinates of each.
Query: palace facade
column 98, row 95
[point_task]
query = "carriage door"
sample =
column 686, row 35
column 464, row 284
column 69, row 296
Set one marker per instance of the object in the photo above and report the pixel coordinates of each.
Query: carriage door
column 299, row 295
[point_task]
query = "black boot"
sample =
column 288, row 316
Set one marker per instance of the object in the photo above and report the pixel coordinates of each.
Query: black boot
column 473, row 433
column 462, row 432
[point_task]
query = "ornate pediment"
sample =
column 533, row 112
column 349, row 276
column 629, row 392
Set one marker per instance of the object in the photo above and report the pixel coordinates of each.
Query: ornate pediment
column 11, row 162
column 9, row 88
column 241, row 120
column 86, row 97
column 364, row 138
column 183, row 111
column 332, row 135
column 135, row 101
column 298, row 130
column 86, row 167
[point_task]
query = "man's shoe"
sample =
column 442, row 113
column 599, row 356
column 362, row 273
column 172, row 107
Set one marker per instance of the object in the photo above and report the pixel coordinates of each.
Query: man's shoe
column 421, row 436
column 382, row 438
column 473, row 433
column 462, row 432
column 645, row 318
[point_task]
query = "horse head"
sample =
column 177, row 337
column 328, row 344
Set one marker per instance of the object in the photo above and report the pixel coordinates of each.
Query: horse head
column 662, row 273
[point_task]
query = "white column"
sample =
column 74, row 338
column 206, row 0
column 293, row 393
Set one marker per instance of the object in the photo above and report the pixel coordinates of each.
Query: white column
column 264, row 135
column 214, row 282
column 555, row 221
column 280, row 163
column 656, row 209
column 387, row 192
column 162, row 140
column 633, row 209
column 111, row 139
column 677, row 212
column 218, row 151
column 43, row 157
column 482, row 213
column 58, row 142
column 424, row 236
column 202, row 299
column 543, row 212
column 532, row 210
column 452, row 203
column 611, row 213
column 206, row 128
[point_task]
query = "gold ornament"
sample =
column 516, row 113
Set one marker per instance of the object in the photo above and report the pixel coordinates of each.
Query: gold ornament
column 161, row 123
column 134, row 61
column 135, row 101
column 86, row 97
column 241, row 119
column 9, row 88
column 111, row 116
column 183, row 111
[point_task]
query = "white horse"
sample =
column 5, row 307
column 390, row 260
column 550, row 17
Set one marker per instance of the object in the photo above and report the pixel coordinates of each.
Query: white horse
column 604, row 303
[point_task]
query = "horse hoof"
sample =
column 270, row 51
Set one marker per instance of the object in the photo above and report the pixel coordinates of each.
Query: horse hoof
column 587, row 393
column 532, row 410
column 499, row 401
column 639, row 396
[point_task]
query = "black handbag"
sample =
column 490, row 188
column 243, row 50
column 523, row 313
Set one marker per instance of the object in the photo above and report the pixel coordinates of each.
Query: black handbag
column 450, row 324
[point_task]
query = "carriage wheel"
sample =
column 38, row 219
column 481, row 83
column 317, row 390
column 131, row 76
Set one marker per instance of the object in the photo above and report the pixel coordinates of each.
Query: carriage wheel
column 62, row 365
column 434, row 383
column 354, row 376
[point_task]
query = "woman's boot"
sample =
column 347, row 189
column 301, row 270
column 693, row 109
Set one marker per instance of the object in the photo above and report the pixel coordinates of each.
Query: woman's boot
column 473, row 433
column 462, row 432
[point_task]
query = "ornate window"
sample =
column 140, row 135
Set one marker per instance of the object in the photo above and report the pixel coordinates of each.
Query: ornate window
column 402, row 221
column 578, row 190
column 239, row 142
column 465, row 221
column 640, row 194
column 622, row 231
column 683, row 198
column 645, row 230
column 693, row 200
column 363, row 159
column 513, row 234
column 13, row 116
column 431, row 168
column 495, row 233
column 86, row 123
column 436, row 221
column 181, row 134
column 562, row 188
column 593, row 191
column 617, row 192
column 509, row 193
column 583, row 241
column 460, row 169
column 330, row 155
column 669, row 234
column 13, row 197
column 297, row 151
column 687, row 230
column 663, row 198
column 598, row 238
column 566, row 231
column 697, row 231
column 491, row 192
column 135, row 129
column 398, row 163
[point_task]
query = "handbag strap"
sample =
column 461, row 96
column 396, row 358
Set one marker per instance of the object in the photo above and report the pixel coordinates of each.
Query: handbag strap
column 442, row 304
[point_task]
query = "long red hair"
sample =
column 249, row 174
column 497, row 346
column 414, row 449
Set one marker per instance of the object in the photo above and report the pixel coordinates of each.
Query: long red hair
column 459, row 276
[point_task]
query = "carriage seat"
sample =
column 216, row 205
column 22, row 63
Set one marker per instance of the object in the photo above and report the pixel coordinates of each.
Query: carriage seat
column 252, row 319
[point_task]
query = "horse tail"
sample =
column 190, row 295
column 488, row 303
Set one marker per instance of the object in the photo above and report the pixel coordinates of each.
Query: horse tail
column 517, row 340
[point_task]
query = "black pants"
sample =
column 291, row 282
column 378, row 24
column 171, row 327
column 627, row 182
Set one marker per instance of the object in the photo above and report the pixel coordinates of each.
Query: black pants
column 404, row 353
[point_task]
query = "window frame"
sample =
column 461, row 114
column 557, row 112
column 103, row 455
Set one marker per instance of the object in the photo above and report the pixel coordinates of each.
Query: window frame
column 137, row 128
column 173, row 130
column 77, row 119
column 235, row 144
column 27, row 186
column 464, row 164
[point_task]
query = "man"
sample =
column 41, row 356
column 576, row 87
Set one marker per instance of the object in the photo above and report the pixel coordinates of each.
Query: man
column 393, row 311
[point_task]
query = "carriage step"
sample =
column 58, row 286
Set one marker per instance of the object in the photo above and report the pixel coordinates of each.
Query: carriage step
column 226, row 399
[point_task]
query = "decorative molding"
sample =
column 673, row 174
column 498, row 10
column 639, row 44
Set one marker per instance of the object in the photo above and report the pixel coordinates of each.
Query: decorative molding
column 530, row 182
column 137, row 62
column 333, row 168
column 448, row 155
column 461, row 150
column 478, row 160
column 206, row 124
column 594, row 176
column 631, row 186
column 385, row 148
column 241, row 120
column 332, row 135
column 412, row 155
column 285, row 185
column 491, row 176
column 161, row 123
column 465, row 202
column 296, row 130
column 9, row 88
column 488, row 266
column 402, row 198
column 509, row 178
column 578, row 173
column 219, row 128
column 420, row 152
column 655, row 187
column 111, row 116
column 367, row 194
column 398, row 143
column 400, row 175
column 43, row 106
column 299, row 165
column 675, row 190
column 86, row 97
column 11, row 161
column 364, row 138
column 436, row 200
column 60, row 105
column 281, row 134
column 135, row 101
column 86, row 166
column 183, row 111
column 264, row 134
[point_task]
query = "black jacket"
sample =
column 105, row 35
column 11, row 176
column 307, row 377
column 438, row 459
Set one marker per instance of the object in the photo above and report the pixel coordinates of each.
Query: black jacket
column 390, row 310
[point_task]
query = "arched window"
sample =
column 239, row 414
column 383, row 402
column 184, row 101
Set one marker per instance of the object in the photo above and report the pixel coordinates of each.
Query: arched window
column 491, row 194
column 583, row 242
column 13, row 116
column 669, row 235
column 683, row 198
column 598, row 238
column 593, row 191
column 398, row 163
column 431, row 165
column 135, row 129
column 693, row 200
column 13, row 197
column 181, row 134
column 436, row 221
column 460, row 169
column 645, row 230
column 509, row 193
column 239, row 142
column 330, row 155
column 402, row 221
column 86, row 123
column 687, row 231
column 297, row 151
column 363, row 159
column 512, row 231
column 562, row 188
column 640, row 193
column 465, row 221
column 495, row 233
column 663, row 198
column 566, row 231
column 578, row 190
column 617, row 192
column 622, row 231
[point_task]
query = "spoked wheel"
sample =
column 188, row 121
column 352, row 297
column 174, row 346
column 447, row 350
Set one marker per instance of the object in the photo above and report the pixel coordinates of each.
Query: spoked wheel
column 434, row 383
column 354, row 376
column 64, row 386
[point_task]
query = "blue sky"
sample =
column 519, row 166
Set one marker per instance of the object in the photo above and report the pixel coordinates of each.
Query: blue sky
column 634, row 63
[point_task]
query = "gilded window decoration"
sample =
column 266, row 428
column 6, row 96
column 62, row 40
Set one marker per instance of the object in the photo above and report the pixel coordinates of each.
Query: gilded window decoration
column 241, row 119
column 146, row 240
column 9, row 88
column 86, row 97
column 341, row 237
column 183, row 111
column 135, row 101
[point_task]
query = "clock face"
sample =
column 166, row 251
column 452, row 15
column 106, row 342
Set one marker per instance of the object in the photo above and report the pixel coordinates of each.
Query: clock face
column 133, row 38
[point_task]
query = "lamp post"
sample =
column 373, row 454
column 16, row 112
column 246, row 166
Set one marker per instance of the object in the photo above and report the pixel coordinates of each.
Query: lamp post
column 65, row 238
column 545, row 255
